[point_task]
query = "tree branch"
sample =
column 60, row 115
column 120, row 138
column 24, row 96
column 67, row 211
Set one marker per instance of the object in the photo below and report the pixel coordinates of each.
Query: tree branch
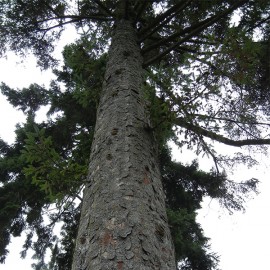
column 203, row 42
column 162, row 19
column 63, row 17
column 176, row 35
column 217, row 137
column 103, row 7
column 180, row 49
column 58, row 25
column 257, row 24
column 51, row 9
column 208, row 150
column 196, row 29
column 214, row 118
column 76, row 19
column 141, row 7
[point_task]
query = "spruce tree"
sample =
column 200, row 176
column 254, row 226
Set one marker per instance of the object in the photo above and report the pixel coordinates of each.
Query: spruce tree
column 174, row 69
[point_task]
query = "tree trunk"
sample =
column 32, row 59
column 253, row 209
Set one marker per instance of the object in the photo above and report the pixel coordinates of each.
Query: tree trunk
column 123, row 219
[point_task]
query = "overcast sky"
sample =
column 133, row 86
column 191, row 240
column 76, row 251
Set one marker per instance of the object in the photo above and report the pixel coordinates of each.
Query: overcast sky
column 241, row 240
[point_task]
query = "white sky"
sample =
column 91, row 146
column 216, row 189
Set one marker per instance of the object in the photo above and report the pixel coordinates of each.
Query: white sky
column 241, row 240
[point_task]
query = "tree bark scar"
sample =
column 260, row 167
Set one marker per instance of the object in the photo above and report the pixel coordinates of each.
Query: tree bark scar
column 114, row 131
column 109, row 157
column 120, row 265
column 106, row 239
column 82, row 240
column 146, row 177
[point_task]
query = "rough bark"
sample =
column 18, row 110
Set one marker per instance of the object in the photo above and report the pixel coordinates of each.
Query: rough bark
column 123, row 219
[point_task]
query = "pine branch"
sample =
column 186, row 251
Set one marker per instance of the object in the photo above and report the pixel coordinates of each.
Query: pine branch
column 51, row 9
column 210, row 152
column 266, row 20
column 162, row 19
column 196, row 29
column 193, row 41
column 76, row 17
column 104, row 8
column 217, row 137
column 173, row 37
column 180, row 49
column 58, row 25
column 140, row 9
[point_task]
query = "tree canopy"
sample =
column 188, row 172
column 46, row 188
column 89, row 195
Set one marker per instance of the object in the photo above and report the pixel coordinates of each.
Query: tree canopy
column 206, row 80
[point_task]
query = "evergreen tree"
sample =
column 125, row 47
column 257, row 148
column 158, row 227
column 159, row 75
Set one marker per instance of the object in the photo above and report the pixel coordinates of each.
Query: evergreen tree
column 175, row 70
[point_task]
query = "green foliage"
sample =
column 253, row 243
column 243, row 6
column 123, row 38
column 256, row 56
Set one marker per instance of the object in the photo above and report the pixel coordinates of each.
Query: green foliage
column 185, row 187
column 29, row 100
column 160, row 114
column 46, row 165
column 207, row 80
column 190, row 243
column 21, row 203
column 56, row 176
column 83, row 70
column 62, row 252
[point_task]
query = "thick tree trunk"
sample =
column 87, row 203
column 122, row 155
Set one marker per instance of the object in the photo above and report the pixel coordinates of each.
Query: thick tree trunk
column 123, row 220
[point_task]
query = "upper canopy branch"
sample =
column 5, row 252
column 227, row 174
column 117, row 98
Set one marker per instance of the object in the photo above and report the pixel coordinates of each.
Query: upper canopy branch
column 104, row 8
column 162, row 19
column 51, row 9
column 98, row 2
column 74, row 19
column 173, row 38
column 59, row 25
column 182, row 49
column 217, row 137
column 140, row 8
column 77, row 17
column 190, row 32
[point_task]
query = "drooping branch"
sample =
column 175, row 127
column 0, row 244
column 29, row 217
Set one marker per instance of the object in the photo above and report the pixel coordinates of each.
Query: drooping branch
column 217, row 137
column 210, row 152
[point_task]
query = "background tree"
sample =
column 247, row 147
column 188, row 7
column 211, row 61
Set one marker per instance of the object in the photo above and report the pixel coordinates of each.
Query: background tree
column 201, row 81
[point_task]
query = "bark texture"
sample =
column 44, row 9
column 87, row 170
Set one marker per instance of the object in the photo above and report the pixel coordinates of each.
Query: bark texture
column 123, row 220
